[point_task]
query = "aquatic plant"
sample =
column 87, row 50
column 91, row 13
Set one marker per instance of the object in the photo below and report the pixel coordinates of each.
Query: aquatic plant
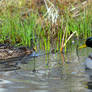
column 31, row 29
column 18, row 30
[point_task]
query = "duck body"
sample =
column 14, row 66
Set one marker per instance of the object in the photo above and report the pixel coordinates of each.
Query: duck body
column 88, row 62
column 11, row 53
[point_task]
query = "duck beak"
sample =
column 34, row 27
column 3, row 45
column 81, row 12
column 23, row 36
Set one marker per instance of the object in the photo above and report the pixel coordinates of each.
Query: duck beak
column 83, row 46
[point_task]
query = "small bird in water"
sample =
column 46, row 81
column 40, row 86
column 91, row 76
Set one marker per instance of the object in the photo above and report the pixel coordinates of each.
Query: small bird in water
column 11, row 53
column 11, row 57
column 88, row 62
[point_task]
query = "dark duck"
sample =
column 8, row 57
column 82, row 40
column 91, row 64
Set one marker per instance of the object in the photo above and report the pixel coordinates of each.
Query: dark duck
column 88, row 62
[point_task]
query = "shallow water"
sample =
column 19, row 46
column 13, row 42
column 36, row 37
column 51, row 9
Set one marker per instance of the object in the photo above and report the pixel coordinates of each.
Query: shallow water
column 50, row 74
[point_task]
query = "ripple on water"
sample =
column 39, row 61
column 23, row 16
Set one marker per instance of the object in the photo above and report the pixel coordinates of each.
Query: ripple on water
column 2, row 81
column 39, row 91
column 3, row 90
column 54, row 79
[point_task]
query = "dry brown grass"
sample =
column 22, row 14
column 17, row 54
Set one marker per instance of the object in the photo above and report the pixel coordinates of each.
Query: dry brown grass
column 39, row 5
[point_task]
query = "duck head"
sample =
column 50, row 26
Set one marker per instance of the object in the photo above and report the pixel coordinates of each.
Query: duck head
column 88, row 43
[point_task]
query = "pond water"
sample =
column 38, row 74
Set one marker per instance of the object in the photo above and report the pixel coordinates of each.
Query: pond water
column 47, row 73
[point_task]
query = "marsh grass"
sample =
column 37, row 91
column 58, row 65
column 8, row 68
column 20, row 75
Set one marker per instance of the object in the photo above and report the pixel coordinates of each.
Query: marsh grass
column 17, row 30
column 27, row 32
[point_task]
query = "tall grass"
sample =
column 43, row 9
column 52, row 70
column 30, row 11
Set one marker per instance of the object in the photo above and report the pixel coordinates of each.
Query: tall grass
column 27, row 32
column 18, row 30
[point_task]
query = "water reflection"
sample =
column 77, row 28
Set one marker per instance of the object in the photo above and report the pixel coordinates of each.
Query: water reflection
column 54, row 73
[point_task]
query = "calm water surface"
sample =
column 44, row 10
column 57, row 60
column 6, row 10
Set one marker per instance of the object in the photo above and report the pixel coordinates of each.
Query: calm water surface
column 50, row 74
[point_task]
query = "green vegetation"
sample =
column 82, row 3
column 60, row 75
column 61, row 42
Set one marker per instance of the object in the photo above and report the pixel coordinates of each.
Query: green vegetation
column 31, row 28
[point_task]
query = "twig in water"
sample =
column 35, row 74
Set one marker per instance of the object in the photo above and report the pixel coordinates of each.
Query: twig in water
column 62, row 46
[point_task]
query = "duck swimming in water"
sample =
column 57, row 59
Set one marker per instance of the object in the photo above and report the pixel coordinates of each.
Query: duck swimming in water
column 88, row 62
column 13, row 54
